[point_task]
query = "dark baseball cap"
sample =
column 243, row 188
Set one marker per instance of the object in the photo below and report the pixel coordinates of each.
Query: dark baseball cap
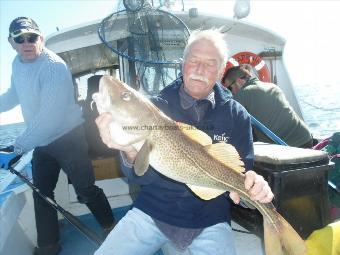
column 23, row 25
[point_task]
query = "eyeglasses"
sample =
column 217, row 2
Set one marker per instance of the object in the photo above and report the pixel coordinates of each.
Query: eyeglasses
column 30, row 38
column 231, row 84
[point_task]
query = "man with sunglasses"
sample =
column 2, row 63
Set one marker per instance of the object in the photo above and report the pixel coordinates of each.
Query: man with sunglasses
column 42, row 84
column 267, row 103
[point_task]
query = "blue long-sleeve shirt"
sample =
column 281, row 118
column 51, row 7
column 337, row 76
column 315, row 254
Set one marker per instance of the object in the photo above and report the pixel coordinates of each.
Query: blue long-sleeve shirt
column 45, row 91
column 174, row 203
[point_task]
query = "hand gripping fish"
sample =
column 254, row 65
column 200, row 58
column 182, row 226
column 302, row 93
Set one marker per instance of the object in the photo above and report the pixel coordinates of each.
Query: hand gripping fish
column 210, row 169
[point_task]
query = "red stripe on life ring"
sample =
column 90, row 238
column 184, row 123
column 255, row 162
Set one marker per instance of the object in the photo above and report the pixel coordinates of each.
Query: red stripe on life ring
column 254, row 60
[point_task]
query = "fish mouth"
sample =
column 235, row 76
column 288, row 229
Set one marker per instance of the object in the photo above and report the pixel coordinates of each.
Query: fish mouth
column 102, row 101
column 95, row 98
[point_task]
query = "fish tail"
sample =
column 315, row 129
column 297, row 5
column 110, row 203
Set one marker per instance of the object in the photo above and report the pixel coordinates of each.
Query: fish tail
column 281, row 238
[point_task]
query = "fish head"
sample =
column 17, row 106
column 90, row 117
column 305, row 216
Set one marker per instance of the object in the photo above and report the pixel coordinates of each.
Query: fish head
column 130, row 110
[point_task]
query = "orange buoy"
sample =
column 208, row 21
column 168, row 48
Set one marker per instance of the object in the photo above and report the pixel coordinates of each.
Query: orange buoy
column 254, row 60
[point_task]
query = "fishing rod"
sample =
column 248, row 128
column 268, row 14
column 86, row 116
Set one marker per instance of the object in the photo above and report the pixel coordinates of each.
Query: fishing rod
column 86, row 231
column 267, row 131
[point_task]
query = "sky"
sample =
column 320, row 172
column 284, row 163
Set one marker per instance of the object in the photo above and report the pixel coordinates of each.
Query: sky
column 310, row 28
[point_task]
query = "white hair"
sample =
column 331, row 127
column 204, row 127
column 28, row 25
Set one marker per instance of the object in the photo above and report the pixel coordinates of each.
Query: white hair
column 213, row 35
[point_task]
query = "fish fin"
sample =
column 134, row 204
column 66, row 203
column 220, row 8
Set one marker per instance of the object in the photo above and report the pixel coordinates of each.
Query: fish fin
column 226, row 154
column 205, row 193
column 195, row 134
column 292, row 243
column 272, row 241
column 142, row 159
column 282, row 238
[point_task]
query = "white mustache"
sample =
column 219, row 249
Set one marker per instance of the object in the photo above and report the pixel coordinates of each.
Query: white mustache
column 198, row 77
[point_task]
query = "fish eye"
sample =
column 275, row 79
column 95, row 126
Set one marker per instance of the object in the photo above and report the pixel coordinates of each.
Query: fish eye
column 126, row 95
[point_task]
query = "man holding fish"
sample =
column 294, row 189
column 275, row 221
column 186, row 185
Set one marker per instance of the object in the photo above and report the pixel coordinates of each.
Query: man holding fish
column 184, row 173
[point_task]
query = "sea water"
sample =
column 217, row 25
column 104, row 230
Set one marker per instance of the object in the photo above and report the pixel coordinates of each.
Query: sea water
column 9, row 132
column 320, row 107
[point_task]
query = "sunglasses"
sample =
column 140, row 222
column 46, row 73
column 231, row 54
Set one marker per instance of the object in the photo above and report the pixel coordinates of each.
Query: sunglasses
column 30, row 38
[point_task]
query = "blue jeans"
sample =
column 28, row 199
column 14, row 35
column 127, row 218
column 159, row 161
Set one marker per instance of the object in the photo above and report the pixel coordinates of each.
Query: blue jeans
column 136, row 233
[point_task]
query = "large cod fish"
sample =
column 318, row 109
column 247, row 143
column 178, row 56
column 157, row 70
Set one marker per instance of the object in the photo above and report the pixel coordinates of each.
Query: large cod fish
column 170, row 147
